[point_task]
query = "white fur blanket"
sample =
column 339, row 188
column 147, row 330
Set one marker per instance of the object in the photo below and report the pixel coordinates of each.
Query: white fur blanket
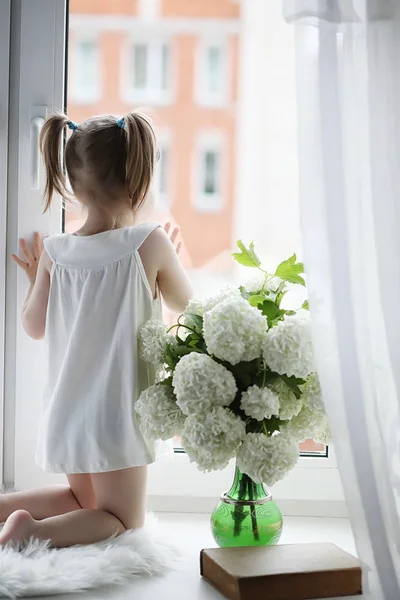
column 39, row 570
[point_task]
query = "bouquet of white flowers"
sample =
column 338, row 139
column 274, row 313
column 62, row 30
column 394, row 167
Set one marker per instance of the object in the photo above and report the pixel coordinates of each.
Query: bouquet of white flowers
column 239, row 377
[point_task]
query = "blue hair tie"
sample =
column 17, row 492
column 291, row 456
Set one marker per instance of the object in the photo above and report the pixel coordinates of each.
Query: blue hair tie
column 72, row 125
column 121, row 123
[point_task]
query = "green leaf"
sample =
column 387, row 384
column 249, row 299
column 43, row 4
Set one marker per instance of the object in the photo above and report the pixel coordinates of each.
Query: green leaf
column 245, row 372
column 293, row 383
column 270, row 309
column 256, row 299
column 290, row 313
column 170, row 358
column 183, row 350
column 280, row 297
column 289, row 270
column 305, row 305
column 167, row 382
column 247, row 256
column 194, row 321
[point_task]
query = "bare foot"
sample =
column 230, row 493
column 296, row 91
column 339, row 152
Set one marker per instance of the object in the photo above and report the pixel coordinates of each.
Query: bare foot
column 18, row 527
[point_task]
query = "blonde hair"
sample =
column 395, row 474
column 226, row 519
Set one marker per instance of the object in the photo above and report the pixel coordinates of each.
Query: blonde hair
column 104, row 157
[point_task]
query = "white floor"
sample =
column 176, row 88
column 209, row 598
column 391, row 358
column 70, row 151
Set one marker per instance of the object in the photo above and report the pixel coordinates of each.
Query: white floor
column 192, row 533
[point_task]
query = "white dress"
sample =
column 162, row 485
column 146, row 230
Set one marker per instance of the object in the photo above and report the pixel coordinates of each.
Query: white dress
column 99, row 299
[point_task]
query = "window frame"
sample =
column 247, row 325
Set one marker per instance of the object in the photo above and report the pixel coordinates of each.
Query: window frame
column 79, row 37
column 209, row 141
column 5, row 26
column 205, row 97
column 37, row 74
column 152, row 96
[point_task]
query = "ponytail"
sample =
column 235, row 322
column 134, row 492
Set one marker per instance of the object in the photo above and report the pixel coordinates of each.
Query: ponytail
column 51, row 142
column 140, row 156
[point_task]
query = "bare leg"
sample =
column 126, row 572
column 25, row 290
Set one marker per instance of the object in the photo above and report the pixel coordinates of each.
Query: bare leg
column 51, row 500
column 120, row 497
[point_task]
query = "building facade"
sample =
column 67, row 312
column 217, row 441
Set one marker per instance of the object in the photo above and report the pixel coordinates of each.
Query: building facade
column 178, row 61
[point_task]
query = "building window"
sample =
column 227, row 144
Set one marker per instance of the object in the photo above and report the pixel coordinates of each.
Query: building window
column 85, row 72
column 140, row 67
column 209, row 180
column 211, row 172
column 212, row 74
column 149, row 73
column 161, row 177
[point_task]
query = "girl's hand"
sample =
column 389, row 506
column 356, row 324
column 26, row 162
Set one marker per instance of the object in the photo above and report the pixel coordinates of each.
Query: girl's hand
column 32, row 256
column 173, row 236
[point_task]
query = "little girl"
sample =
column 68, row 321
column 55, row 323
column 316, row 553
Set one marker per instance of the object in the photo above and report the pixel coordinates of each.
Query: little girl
column 89, row 295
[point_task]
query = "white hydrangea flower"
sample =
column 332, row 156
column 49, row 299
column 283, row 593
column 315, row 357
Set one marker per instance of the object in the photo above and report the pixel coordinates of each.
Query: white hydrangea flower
column 290, row 406
column 196, row 307
column 288, row 346
column 154, row 339
column 160, row 417
column 307, row 425
column 225, row 293
column 312, row 395
column 199, row 306
column 267, row 459
column 255, row 283
column 322, row 432
column 234, row 331
column 211, row 439
column 260, row 403
column 201, row 383
column 274, row 284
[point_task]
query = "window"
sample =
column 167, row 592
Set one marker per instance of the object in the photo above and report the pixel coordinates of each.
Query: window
column 202, row 171
column 212, row 74
column 149, row 72
column 161, row 187
column 140, row 70
column 85, row 72
column 208, row 194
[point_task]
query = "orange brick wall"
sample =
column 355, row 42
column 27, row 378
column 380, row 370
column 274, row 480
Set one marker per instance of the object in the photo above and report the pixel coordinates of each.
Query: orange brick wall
column 101, row 7
column 169, row 8
column 200, row 8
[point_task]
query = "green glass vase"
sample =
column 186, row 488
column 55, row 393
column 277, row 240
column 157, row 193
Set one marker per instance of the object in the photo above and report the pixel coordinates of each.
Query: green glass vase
column 246, row 515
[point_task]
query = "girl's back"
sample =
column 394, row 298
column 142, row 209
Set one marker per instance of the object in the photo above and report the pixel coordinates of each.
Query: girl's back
column 100, row 297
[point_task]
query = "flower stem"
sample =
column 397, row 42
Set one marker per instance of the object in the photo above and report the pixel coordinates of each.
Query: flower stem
column 238, row 513
column 267, row 278
column 264, row 377
column 184, row 326
column 254, row 524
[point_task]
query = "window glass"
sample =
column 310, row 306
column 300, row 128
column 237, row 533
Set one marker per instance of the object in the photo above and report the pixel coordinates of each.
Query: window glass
column 165, row 68
column 226, row 134
column 140, row 53
column 214, row 71
column 162, row 171
column 211, row 172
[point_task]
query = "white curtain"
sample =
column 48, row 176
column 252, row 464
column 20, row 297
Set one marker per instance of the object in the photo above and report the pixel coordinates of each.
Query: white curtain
column 348, row 82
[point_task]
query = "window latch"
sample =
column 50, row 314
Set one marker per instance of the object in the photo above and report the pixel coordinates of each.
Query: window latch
column 36, row 125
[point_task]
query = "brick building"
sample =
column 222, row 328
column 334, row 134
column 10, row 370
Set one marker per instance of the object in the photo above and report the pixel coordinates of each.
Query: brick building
column 178, row 60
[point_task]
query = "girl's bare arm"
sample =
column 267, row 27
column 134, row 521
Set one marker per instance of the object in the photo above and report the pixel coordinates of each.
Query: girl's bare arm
column 37, row 266
column 159, row 254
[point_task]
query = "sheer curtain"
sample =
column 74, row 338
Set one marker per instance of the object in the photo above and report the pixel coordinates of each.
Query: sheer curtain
column 348, row 82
